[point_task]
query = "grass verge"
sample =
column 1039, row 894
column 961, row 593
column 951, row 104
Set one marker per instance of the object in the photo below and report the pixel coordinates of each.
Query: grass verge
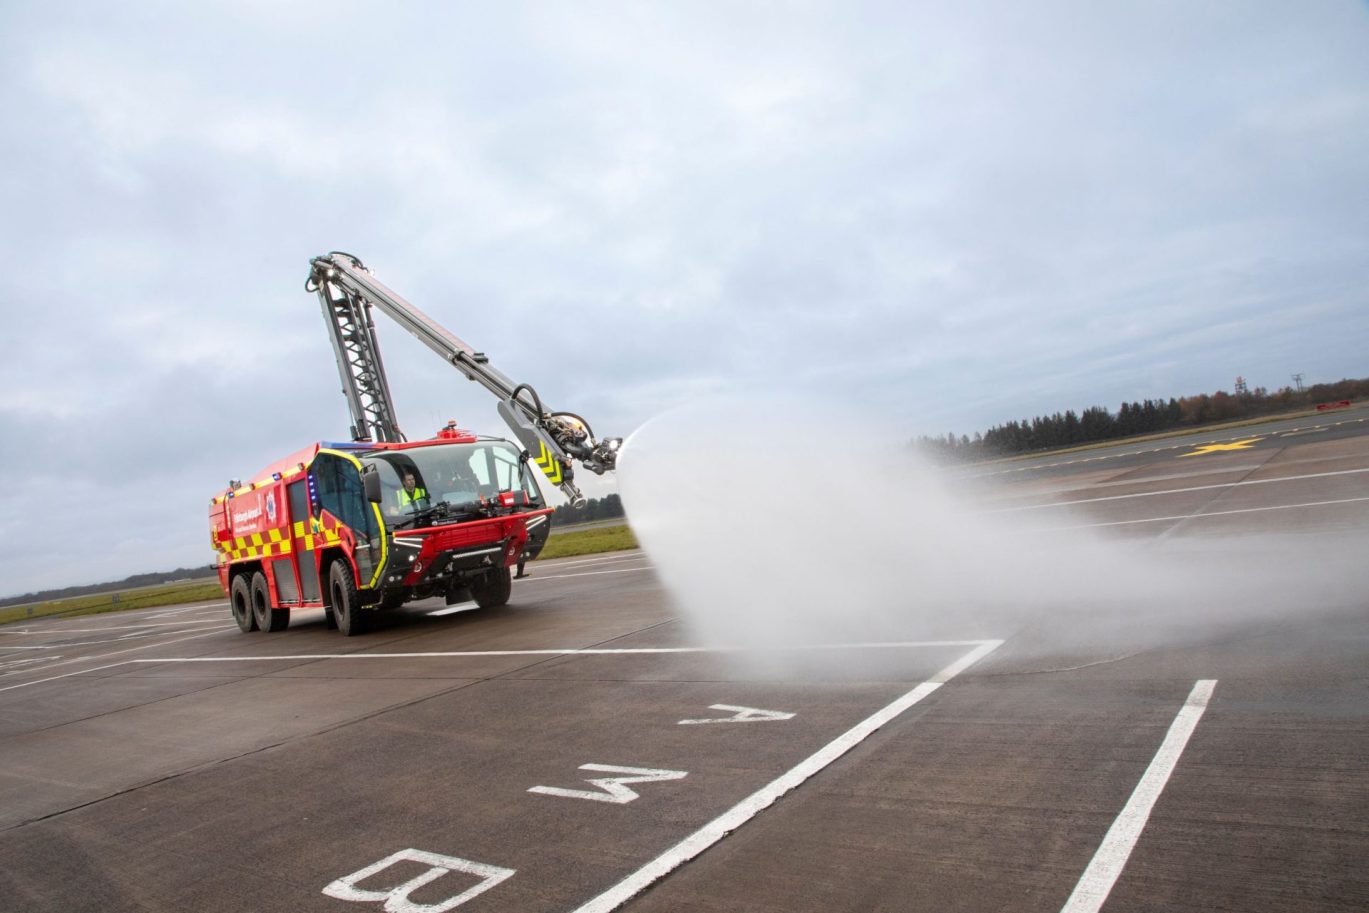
column 141, row 598
column 561, row 545
column 589, row 542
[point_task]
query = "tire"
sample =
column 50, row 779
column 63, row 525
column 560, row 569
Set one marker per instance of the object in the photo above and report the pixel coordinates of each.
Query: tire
column 240, row 599
column 329, row 619
column 267, row 617
column 345, row 603
column 493, row 589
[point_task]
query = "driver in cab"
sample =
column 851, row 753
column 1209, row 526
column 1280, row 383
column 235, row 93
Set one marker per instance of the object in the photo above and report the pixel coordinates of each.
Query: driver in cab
column 412, row 497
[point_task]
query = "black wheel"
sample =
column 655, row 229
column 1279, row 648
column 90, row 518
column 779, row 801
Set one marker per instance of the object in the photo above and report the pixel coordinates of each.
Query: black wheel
column 240, row 598
column 345, row 604
column 493, row 589
column 264, row 614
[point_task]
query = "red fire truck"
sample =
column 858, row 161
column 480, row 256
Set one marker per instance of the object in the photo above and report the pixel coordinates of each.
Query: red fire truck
column 334, row 526
column 370, row 524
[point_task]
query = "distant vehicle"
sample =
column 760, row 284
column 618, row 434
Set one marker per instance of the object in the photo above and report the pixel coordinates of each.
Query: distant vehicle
column 339, row 526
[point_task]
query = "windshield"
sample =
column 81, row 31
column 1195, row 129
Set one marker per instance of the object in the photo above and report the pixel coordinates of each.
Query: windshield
column 424, row 477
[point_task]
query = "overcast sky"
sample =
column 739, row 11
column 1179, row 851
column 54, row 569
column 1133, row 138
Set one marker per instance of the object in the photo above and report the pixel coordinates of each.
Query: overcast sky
column 961, row 216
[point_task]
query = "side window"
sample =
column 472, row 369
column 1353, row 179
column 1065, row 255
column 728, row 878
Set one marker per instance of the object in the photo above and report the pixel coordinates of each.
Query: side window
column 480, row 465
column 341, row 493
column 530, row 484
column 500, row 469
column 506, row 468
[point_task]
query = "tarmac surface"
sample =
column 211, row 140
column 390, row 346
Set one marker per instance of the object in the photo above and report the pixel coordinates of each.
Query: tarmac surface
column 576, row 750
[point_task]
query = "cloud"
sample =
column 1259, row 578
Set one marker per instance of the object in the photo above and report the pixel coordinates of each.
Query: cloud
column 960, row 216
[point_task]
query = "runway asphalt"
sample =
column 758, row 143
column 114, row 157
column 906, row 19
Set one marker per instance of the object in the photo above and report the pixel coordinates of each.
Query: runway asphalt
column 577, row 750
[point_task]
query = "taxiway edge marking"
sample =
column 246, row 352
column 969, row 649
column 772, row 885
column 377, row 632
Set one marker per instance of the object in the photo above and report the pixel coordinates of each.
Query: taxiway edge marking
column 1112, row 855
column 767, row 795
column 980, row 645
column 82, row 659
column 1176, row 491
column 1199, row 516
column 533, row 578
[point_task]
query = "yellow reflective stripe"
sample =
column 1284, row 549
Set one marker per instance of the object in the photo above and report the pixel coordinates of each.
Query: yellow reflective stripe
column 549, row 464
column 271, row 550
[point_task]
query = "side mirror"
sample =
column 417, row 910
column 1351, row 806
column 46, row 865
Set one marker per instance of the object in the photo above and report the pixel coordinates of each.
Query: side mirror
column 370, row 479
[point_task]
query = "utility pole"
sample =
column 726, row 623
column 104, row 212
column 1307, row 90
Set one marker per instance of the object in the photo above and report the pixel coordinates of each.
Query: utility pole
column 1297, row 379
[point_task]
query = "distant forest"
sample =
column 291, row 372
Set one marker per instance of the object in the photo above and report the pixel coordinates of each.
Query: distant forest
column 609, row 507
column 1096, row 423
column 151, row 579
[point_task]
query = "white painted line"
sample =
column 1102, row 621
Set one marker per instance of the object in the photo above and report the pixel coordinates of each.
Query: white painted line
column 559, row 563
column 586, row 651
column 54, row 678
column 12, row 664
column 571, row 651
column 1174, row 491
column 1215, row 513
column 593, row 556
column 627, row 570
column 1097, row 881
column 107, row 628
column 82, row 659
column 766, row 796
column 190, row 608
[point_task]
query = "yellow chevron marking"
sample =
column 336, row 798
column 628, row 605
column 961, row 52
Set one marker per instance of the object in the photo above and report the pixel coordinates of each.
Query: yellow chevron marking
column 547, row 462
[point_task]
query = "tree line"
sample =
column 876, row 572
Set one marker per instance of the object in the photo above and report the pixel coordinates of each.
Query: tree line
column 128, row 583
column 609, row 507
column 1097, row 423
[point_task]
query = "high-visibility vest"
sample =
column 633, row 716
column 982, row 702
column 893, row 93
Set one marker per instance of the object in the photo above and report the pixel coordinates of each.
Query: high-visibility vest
column 405, row 499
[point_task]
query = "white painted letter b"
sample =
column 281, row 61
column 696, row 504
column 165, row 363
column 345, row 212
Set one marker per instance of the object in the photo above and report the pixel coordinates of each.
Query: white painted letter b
column 396, row 899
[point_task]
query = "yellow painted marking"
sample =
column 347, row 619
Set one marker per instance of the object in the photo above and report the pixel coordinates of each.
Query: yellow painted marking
column 1218, row 448
column 550, row 466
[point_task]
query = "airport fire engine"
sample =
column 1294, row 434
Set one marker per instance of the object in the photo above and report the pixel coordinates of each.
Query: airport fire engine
column 372, row 523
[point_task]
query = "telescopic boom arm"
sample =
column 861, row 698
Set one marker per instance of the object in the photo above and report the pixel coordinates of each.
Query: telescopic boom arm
column 347, row 291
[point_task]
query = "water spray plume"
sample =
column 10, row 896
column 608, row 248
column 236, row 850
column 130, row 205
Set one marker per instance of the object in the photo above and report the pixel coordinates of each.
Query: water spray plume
column 774, row 522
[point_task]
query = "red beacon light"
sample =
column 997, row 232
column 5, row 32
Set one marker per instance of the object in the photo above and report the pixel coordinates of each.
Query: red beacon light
column 449, row 432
